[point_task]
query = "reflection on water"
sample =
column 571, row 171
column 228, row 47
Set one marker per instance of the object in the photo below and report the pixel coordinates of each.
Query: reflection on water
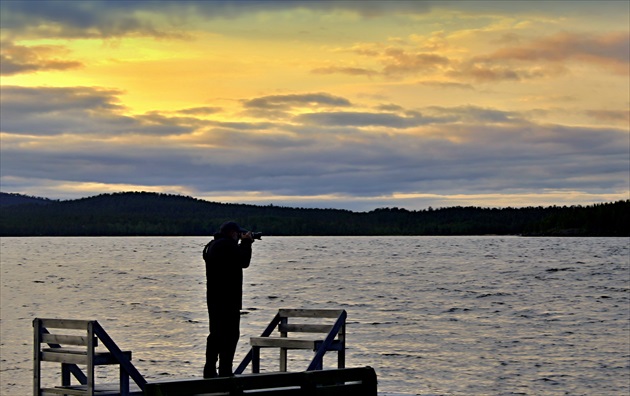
column 448, row 316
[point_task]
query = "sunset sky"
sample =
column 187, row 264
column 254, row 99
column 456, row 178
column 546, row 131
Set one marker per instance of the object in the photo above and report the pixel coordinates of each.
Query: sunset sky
column 339, row 104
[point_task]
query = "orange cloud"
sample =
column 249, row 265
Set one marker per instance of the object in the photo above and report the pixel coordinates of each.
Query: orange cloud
column 16, row 59
column 354, row 71
column 395, row 61
column 399, row 61
column 610, row 115
column 609, row 50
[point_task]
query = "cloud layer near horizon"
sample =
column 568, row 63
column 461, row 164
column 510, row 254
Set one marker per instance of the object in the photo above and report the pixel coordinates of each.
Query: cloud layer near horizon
column 283, row 103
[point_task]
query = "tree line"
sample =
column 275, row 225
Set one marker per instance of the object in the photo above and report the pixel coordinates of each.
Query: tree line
column 153, row 214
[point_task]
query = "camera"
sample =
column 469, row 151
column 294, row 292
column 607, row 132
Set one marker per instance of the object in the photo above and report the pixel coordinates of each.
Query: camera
column 255, row 235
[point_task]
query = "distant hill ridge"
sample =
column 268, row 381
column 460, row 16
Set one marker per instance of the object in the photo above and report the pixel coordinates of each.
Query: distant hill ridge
column 143, row 213
column 11, row 199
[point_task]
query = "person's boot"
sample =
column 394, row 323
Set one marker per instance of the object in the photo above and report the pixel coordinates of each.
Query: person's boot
column 225, row 371
column 209, row 371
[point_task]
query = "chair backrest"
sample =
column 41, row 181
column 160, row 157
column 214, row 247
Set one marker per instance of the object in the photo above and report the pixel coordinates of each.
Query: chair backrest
column 286, row 326
column 58, row 334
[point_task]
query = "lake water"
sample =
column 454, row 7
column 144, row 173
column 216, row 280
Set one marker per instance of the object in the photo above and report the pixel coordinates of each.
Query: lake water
column 433, row 315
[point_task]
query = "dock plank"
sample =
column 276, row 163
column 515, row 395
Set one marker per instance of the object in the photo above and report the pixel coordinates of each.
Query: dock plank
column 100, row 390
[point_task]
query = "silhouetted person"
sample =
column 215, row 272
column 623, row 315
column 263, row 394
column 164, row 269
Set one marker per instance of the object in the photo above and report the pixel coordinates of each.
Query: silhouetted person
column 225, row 259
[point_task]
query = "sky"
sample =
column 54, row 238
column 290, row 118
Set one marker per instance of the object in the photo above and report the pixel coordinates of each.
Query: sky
column 352, row 105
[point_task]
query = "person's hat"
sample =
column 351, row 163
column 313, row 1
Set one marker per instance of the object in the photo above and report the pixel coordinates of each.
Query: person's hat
column 230, row 226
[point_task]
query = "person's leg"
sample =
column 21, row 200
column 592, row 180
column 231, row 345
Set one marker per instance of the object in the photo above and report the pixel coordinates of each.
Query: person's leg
column 213, row 343
column 230, row 336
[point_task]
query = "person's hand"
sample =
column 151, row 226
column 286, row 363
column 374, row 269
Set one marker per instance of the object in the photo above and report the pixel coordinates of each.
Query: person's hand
column 248, row 236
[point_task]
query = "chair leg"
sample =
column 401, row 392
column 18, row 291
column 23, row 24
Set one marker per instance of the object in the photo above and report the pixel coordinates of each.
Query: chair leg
column 283, row 359
column 65, row 374
column 124, row 382
column 341, row 358
column 90, row 382
column 37, row 357
column 320, row 365
column 255, row 360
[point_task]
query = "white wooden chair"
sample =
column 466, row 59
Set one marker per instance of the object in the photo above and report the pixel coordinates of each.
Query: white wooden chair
column 73, row 342
column 332, row 338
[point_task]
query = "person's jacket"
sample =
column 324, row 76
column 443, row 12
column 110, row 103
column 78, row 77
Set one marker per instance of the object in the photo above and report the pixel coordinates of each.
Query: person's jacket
column 225, row 259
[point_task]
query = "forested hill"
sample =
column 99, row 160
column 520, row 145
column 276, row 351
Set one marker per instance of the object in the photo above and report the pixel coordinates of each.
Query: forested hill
column 7, row 199
column 170, row 215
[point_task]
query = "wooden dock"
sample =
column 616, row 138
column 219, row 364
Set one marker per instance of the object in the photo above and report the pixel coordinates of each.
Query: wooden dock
column 334, row 382
column 73, row 343
column 99, row 390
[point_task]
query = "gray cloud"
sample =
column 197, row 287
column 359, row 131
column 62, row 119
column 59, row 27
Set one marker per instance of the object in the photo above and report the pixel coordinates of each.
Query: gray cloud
column 477, row 114
column 80, row 110
column 285, row 102
column 279, row 106
column 437, row 150
column 85, row 19
column 360, row 119
column 52, row 99
column 107, row 19
column 499, row 159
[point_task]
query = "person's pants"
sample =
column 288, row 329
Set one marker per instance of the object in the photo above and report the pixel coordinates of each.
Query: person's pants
column 221, row 343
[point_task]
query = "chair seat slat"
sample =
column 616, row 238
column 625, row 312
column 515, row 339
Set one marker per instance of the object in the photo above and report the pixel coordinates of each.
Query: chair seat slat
column 304, row 328
column 78, row 356
column 67, row 339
